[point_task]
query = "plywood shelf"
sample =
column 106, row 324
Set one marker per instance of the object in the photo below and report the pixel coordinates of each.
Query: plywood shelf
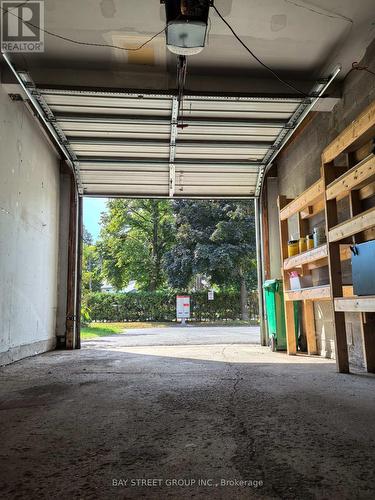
column 306, row 257
column 313, row 293
column 308, row 198
column 355, row 178
column 315, row 258
column 361, row 222
column 355, row 304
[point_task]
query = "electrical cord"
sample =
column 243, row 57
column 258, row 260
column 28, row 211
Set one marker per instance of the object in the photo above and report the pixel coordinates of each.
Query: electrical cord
column 257, row 58
column 80, row 42
column 332, row 15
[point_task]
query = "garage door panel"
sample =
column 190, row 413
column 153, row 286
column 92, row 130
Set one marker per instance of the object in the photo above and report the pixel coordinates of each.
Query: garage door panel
column 127, row 190
column 129, row 144
column 122, row 166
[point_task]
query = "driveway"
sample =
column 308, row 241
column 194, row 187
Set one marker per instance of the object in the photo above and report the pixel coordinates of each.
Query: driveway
column 181, row 335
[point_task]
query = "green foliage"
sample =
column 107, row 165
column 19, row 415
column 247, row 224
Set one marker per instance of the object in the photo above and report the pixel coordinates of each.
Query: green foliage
column 87, row 237
column 134, row 238
column 91, row 272
column 161, row 306
column 215, row 239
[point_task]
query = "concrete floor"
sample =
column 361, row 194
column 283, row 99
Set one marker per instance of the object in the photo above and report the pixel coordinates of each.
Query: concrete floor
column 204, row 406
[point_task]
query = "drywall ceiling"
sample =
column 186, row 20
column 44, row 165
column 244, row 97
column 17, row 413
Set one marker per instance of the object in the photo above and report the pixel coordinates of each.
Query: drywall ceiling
column 302, row 39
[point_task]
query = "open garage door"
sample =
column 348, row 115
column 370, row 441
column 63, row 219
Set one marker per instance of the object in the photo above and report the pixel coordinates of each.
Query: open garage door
column 131, row 144
column 126, row 144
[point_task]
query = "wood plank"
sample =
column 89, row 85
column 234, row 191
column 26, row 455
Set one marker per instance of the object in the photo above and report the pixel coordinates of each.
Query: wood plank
column 322, row 292
column 313, row 210
column 353, row 136
column 359, row 223
column 308, row 197
column 335, row 276
column 306, row 257
column 355, row 304
column 369, row 234
column 367, row 191
column 364, row 151
column 309, row 326
column 291, row 344
column 355, row 178
column 355, row 208
column 288, row 306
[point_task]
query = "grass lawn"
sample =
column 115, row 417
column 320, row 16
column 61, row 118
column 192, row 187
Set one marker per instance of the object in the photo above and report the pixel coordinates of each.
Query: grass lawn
column 96, row 330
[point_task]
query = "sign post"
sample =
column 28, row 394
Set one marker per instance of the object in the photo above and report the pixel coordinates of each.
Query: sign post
column 183, row 308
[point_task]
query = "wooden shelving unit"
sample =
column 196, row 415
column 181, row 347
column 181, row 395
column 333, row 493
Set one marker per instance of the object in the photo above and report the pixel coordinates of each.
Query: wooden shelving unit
column 356, row 184
column 305, row 206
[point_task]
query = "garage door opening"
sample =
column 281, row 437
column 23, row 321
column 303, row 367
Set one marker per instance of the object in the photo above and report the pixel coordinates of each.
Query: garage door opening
column 140, row 255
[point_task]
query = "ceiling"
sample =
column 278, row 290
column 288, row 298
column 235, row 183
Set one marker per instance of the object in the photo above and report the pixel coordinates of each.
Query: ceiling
column 302, row 39
column 115, row 110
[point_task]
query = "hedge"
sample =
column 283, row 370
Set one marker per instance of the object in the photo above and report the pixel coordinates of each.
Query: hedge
column 161, row 306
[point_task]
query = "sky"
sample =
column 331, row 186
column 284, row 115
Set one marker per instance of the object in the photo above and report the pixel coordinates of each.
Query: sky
column 92, row 208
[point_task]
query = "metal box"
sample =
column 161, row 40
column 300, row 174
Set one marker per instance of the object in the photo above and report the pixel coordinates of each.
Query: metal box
column 363, row 267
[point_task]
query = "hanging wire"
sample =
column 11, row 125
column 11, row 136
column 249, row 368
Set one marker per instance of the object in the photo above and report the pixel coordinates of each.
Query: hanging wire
column 80, row 42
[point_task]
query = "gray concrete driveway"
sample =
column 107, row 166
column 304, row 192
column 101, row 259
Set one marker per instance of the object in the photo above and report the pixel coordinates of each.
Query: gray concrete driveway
column 180, row 335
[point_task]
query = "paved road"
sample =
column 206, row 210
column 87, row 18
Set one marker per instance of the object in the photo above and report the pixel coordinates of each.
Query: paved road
column 181, row 335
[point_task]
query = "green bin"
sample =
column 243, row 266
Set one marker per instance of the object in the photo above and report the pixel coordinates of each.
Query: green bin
column 274, row 295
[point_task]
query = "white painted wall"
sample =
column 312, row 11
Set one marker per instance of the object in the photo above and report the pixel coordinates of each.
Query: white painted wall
column 29, row 225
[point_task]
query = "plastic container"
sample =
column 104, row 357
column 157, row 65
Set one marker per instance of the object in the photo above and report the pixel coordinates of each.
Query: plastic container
column 293, row 248
column 319, row 236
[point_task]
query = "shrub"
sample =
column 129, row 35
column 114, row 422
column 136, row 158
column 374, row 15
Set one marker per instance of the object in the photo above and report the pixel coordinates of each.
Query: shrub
column 161, row 306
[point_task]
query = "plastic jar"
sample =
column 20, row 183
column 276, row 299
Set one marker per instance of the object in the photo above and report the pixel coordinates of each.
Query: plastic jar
column 319, row 236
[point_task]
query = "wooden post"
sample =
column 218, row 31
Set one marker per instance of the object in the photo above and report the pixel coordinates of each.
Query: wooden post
column 334, row 262
column 308, row 315
column 289, row 305
column 309, row 326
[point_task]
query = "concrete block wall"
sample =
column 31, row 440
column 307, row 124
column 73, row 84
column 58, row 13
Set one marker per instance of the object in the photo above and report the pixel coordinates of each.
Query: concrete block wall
column 29, row 231
column 298, row 167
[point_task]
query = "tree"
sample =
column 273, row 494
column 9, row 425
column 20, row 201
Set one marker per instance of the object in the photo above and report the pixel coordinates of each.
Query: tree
column 135, row 236
column 87, row 237
column 91, row 272
column 91, row 269
column 217, row 239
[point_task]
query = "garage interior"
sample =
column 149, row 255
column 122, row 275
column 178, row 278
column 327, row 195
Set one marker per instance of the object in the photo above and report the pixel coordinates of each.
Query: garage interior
column 292, row 128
